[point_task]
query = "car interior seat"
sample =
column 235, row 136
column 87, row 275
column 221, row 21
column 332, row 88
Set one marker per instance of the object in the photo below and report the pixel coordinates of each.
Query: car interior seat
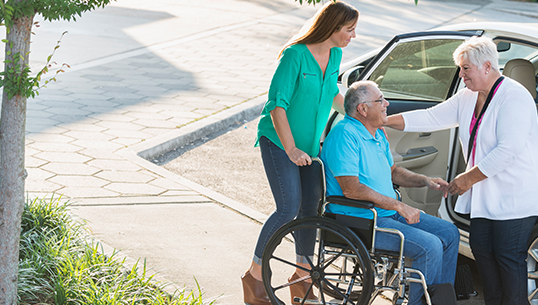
column 522, row 71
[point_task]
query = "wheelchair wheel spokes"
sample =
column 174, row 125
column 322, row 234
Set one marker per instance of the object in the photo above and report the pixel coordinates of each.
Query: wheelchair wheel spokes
column 352, row 281
column 342, row 281
column 279, row 264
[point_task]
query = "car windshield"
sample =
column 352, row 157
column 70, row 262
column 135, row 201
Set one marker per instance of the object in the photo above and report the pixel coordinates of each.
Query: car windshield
column 418, row 70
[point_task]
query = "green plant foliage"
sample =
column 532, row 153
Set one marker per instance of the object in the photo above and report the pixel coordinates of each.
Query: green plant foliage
column 318, row 1
column 16, row 79
column 58, row 266
column 49, row 9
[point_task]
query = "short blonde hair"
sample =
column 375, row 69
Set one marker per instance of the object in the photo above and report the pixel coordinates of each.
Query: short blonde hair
column 478, row 50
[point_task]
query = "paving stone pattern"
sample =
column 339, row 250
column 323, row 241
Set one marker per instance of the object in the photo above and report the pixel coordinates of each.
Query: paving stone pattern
column 77, row 126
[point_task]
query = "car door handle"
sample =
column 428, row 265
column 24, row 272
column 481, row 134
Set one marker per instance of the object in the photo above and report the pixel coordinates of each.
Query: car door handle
column 424, row 134
column 415, row 153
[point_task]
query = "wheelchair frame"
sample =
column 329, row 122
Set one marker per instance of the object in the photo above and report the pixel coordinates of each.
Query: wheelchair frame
column 373, row 271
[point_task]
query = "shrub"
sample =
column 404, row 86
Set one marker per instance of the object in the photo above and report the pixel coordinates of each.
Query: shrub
column 59, row 266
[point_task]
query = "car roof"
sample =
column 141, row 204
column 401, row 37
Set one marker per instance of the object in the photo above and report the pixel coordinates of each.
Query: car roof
column 525, row 31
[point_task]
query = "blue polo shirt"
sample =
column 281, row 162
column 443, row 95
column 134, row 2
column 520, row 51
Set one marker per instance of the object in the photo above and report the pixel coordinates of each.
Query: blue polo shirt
column 350, row 150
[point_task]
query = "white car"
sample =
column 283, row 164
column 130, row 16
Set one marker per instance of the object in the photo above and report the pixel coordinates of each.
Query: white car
column 415, row 71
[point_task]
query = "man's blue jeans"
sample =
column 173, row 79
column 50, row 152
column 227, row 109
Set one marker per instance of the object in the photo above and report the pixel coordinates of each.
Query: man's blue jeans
column 432, row 244
column 500, row 250
column 296, row 190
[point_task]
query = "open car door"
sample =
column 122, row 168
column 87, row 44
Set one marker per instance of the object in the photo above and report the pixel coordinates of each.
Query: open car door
column 415, row 71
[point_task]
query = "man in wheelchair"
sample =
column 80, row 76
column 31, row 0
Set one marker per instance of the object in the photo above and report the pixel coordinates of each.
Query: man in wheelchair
column 359, row 165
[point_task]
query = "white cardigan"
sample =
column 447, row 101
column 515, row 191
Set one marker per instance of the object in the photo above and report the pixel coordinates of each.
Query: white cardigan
column 506, row 149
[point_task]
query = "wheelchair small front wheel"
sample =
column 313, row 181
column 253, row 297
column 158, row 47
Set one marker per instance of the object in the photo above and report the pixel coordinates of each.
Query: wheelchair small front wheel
column 339, row 272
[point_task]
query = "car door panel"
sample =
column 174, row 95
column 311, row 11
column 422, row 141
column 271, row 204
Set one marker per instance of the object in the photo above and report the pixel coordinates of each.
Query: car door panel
column 432, row 162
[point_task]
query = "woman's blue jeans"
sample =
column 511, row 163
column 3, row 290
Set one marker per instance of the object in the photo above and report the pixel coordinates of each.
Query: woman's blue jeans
column 296, row 190
column 432, row 243
column 500, row 250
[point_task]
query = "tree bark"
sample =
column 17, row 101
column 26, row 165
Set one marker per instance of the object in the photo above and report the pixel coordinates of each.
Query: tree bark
column 12, row 171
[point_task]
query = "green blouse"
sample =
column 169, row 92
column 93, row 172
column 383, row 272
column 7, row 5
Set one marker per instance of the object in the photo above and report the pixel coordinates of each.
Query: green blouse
column 299, row 87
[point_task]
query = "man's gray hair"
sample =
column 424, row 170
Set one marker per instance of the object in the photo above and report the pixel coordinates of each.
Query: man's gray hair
column 358, row 93
column 478, row 50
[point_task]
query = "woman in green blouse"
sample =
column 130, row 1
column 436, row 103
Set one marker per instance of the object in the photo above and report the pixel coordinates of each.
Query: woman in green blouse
column 302, row 91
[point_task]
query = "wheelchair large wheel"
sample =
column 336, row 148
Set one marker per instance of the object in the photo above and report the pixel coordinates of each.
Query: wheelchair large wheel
column 340, row 272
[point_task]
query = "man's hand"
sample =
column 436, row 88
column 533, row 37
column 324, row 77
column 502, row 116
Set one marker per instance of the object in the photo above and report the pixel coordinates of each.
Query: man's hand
column 437, row 184
column 406, row 178
column 410, row 214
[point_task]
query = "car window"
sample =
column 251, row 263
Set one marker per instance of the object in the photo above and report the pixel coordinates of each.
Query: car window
column 510, row 50
column 418, row 70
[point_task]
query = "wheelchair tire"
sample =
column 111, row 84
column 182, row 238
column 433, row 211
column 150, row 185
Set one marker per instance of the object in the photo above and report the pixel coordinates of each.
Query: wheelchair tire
column 350, row 285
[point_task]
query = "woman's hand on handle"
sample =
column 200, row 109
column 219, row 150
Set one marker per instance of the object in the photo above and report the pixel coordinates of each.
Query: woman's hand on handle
column 299, row 157
column 282, row 127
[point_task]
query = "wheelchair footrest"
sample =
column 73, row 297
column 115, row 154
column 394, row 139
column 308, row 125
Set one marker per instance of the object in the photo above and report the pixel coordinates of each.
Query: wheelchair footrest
column 312, row 302
column 441, row 294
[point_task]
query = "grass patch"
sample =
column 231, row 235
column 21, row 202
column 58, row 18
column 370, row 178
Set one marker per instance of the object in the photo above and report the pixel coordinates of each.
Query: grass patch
column 59, row 266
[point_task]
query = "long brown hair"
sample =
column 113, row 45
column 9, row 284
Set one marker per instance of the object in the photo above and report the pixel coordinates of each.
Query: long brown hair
column 332, row 17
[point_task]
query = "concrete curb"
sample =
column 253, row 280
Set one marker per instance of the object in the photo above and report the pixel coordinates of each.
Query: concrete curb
column 163, row 144
column 204, row 191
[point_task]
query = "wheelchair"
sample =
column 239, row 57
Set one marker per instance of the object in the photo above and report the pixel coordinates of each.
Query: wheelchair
column 345, row 268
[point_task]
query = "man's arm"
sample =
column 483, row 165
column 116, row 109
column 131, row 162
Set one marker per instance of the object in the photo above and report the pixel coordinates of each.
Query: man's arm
column 406, row 178
column 352, row 188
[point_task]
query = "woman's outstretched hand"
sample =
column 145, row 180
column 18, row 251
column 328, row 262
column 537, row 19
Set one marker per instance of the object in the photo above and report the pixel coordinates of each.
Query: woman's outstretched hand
column 464, row 181
column 460, row 185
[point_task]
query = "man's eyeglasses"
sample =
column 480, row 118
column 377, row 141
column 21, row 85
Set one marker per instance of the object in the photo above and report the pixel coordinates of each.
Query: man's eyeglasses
column 376, row 101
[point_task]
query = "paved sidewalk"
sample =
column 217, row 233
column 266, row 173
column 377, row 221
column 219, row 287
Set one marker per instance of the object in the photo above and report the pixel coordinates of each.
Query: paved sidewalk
column 149, row 76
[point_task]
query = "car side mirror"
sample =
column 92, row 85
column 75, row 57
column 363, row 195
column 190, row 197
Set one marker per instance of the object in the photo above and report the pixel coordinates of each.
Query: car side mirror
column 351, row 75
column 503, row 46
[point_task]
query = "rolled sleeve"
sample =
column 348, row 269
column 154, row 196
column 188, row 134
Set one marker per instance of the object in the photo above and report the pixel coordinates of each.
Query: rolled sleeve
column 284, row 81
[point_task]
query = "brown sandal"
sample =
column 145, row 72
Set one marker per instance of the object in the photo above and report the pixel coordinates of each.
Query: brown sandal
column 253, row 291
column 299, row 289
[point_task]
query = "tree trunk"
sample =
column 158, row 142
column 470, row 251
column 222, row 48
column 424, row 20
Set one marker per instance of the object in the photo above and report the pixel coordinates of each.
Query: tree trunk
column 12, row 171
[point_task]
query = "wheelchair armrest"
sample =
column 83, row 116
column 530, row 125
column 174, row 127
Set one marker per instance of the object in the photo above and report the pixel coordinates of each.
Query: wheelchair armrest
column 350, row 202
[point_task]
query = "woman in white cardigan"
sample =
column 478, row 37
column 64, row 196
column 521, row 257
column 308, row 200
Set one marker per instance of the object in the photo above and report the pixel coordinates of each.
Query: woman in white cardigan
column 499, row 188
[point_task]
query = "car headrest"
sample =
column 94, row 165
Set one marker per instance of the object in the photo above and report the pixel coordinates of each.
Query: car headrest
column 522, row 71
